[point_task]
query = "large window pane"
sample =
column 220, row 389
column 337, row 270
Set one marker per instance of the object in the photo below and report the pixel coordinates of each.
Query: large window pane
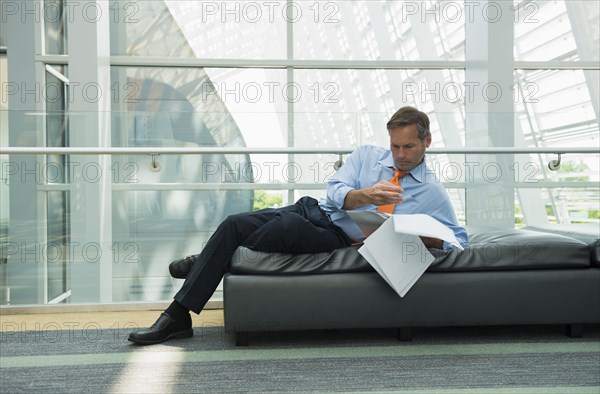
column 55, row 27
column 379, row 30
column 558, row 107
column 204, row 29
column 557, row 30
column 339, row 108
column 154, row 227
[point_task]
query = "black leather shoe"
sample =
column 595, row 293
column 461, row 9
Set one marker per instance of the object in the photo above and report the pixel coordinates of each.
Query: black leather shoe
column 181, row 268
column 163, row 329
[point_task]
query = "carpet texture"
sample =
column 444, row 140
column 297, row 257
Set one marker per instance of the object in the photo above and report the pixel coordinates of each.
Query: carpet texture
column 520, row 359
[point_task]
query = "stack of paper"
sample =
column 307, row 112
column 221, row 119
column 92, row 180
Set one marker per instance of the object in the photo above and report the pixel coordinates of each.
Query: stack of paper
column 394, row 248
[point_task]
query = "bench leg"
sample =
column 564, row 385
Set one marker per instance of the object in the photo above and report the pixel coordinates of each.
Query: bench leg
column 241, row 338
column 404, row 334
column 574, row 330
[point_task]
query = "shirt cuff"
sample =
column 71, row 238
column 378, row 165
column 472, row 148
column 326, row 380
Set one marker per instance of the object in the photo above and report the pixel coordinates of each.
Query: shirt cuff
column 447, row 245
column 340, row 196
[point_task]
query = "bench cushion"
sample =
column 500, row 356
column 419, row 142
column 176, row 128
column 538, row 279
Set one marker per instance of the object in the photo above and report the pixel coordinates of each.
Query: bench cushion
column 588, row 233
column 490, row 249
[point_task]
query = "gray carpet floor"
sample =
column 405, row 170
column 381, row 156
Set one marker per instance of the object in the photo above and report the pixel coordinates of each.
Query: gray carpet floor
column 515, row 359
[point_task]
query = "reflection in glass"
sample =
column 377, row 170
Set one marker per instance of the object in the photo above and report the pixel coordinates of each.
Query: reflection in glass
column 55, row 170
column 56, row 126
column 55, row 252
column 155, row 226
column 55, row 27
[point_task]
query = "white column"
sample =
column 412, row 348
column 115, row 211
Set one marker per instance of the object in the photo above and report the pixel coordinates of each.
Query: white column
column 89, row 125
column 489, row 60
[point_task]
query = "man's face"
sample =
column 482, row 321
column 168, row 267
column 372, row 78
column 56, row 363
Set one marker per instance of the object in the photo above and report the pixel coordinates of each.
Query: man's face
column 407, row 149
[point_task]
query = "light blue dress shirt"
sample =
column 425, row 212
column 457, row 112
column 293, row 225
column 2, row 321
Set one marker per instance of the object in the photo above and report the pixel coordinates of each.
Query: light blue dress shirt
column 369, row 164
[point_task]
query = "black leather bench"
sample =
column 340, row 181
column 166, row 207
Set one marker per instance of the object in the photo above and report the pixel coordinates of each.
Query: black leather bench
column 504, row 277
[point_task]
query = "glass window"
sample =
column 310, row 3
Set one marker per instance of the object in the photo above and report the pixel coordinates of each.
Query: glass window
column 556, row 107
column 557, row 30
column 378, row 30
column 4, row 189
column 3, row 34
column 56, row 123
column 55, row 27
column 340, row 108
column 203, row 29
column 56, row 253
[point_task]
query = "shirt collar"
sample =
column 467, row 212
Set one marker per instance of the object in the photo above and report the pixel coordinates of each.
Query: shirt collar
column 418, row 173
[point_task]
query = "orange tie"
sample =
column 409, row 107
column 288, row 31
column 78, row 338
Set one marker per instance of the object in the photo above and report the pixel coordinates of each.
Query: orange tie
column 389, row 208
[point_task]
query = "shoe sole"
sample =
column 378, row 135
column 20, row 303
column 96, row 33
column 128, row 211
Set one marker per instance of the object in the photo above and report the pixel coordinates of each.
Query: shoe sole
column 177, row 276
column 177, row 335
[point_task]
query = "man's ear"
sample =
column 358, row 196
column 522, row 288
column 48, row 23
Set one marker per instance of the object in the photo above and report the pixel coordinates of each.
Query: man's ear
column 428, row 141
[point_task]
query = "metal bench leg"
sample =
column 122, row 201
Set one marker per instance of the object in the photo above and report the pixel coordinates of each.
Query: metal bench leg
column 404, row 334
column 574, row 330
column 241, row 338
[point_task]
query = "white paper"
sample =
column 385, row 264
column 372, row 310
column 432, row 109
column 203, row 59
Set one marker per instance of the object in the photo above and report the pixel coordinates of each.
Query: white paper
column 400, row 259
column 393, row 247
column 426, row 226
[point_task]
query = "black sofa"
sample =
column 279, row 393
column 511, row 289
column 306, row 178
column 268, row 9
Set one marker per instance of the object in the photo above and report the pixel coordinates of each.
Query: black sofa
column 505, row 277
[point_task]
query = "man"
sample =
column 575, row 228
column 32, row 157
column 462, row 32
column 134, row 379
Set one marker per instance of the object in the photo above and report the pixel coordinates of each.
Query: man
column 369, row 180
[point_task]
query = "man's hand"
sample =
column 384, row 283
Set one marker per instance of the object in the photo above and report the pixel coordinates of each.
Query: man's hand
column 432, row 242
column 381, row 193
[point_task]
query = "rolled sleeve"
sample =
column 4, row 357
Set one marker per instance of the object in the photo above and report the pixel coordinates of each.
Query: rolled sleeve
column 345, row 180
column 337, row 194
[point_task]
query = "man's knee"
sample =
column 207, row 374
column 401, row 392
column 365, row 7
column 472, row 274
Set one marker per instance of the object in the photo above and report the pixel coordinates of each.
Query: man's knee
column 237, row 217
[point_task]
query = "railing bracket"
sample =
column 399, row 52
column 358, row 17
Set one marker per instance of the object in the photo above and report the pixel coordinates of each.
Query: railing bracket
column 154, row 165
column 554, row 165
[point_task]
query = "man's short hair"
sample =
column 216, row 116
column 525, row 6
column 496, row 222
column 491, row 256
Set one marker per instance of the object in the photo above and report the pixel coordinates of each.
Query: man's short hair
column 406, row 116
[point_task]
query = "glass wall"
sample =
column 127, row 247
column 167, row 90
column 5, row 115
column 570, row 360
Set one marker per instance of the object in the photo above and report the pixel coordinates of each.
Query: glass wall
column 280, row 74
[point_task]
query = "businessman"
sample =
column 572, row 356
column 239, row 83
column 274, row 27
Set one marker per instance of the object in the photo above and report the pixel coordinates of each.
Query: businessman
column 395, row 180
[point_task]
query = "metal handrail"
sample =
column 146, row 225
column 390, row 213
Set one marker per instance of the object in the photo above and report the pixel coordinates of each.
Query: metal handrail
column 243, row 150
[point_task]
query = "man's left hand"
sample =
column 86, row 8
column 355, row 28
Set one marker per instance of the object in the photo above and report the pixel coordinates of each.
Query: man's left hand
column 432, row 242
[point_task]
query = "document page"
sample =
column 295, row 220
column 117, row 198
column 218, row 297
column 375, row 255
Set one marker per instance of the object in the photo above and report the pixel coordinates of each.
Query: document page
column 425, row 225
column 400, row 259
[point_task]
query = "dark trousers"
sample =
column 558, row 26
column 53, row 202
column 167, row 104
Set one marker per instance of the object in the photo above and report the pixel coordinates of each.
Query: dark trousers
column 298, row 228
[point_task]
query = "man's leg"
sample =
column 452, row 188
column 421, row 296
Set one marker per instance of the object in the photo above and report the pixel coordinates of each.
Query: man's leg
column 214, row 260
column 204, row 277
column 289, row 232
column 298, row 228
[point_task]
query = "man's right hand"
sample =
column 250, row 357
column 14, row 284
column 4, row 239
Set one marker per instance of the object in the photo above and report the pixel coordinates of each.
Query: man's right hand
column 381, row 193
